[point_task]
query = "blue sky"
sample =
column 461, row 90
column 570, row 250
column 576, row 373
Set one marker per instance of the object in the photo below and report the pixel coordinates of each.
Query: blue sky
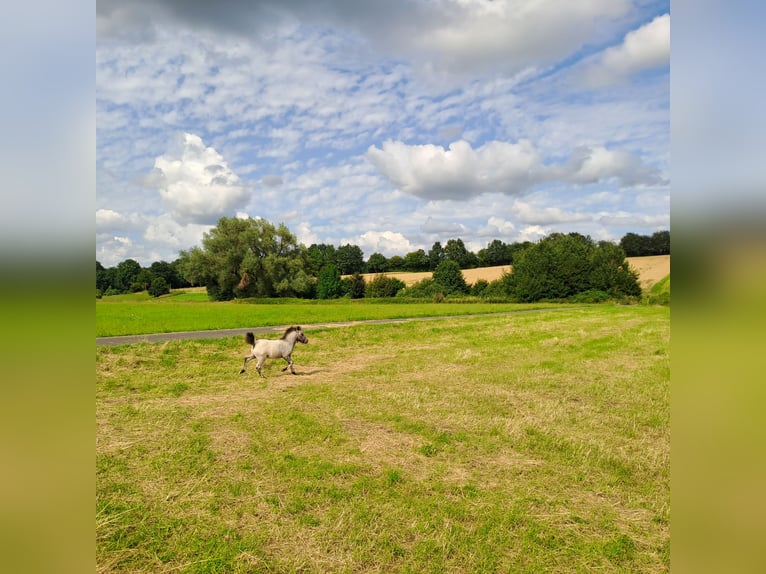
column 388, row 125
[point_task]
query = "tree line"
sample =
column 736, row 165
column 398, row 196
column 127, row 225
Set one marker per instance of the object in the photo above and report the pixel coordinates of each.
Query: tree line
column 244, row 258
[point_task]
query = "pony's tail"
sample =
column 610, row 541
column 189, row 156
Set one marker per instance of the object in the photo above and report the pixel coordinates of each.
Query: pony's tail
column 250, row 339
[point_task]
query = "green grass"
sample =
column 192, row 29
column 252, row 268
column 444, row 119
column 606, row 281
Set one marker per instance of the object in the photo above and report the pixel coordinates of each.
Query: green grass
column 138, row 313
column 517, row 443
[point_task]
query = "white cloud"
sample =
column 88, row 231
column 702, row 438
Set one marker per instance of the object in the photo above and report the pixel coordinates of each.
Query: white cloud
column 645, row 48
column 107, row 219
column 166, row 232
column 497, row 228
column 461, row 172
column 196, row 183
column 388, row 243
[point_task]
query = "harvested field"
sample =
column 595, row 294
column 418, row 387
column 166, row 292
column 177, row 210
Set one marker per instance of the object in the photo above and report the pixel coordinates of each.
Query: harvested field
column 650, row 270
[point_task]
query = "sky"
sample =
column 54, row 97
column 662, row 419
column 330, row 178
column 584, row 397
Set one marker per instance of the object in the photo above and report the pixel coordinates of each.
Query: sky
column 387, row 125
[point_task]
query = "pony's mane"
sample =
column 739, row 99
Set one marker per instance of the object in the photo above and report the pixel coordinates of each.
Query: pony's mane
column 290, row 330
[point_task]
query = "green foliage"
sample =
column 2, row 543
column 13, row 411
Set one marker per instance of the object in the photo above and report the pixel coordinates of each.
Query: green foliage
column 560, row 266
column 354, row 286
column 636, row 245
column 383, row 286
column 248, row 258
column 377, row 263
column 455, row 250
column 590, row 296
column 329, row 285
column 159, row 286
column 349, row 259
column 425, row 288
column 479, row 287
column 449, row 279
column 416, row 261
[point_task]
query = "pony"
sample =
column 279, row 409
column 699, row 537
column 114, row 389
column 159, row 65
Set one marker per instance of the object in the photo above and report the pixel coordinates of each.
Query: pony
column 263, row 349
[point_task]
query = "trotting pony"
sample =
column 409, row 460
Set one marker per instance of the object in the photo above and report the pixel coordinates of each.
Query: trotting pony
column 263, row 349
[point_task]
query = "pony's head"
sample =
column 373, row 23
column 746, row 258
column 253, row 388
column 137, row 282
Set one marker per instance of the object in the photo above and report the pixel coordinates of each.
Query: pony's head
column 299, row 334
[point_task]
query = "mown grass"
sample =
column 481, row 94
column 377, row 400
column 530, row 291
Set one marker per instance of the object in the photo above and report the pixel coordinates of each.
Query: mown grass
column 521, row 443
column 138, row 314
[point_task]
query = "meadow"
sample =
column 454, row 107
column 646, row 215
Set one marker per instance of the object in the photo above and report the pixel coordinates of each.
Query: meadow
column 523, row 442
column 189, row 310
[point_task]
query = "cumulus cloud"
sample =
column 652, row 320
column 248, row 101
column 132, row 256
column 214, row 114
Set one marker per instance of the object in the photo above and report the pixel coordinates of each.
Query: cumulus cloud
column 644, row 48
column 461, row 172
column 108, row 219
column 196, row 183
column 388, row 243
column 528, row 213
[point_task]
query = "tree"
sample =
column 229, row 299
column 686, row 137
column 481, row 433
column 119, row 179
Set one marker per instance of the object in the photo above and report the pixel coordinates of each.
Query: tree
column 329, row 285
column 611, row 272
column 248, row 258
column 416, row 261
column 383, row 286
column 435, row 255
column 126, row 274
column 560, row 266
column 349, row 259
column 159, row 286
column 660, row 243
column 448, row 277
column 318, row 256
column 496, row 253
column 456, row 251
column 377, row 263
column 355, row 286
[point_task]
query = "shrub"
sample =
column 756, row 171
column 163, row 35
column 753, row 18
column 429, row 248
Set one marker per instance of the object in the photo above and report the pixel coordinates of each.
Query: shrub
column 354, row 286
column 590, row 296
column 159, row 286
column 383, row 286
column 560, row 266
column 329, row 285
column 449, row 278
column 478, row 288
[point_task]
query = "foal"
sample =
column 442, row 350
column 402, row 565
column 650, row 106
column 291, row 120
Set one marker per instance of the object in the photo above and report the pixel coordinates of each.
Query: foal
column 263, row 349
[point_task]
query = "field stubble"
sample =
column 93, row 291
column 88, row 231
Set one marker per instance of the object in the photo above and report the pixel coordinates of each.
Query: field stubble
column 524, row 443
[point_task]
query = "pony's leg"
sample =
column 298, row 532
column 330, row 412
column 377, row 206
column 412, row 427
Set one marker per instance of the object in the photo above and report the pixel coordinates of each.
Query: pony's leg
column 289, row 359
column 245, row 363
column 258, row 366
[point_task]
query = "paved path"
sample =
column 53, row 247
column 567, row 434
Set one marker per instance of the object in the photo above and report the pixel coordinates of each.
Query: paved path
column 220, row 333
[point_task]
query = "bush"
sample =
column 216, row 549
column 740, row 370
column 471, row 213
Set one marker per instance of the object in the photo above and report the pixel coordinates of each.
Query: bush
column 561, row 266
column 590, row 296
column 159, row 286
column 383, row 286
column 449, row 278
column 329, row 285
column 354, row 286
column 478, row 288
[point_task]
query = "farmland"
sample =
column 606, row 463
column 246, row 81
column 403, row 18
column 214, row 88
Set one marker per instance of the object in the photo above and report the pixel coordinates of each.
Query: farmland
column 521, row 442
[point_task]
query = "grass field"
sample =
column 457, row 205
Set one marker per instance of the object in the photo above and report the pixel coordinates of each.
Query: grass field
column 536, row 442
column 138, row 314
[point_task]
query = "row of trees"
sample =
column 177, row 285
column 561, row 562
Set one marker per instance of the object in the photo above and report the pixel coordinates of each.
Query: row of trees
column 242, row 258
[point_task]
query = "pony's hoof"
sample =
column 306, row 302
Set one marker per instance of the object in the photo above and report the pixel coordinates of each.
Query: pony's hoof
column 242, row 371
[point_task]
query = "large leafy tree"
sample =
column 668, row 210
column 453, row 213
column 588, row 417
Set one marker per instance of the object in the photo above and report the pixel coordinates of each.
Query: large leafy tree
column 349, row 259
column 248, row 258
column 560, row 266
column 449, row 279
